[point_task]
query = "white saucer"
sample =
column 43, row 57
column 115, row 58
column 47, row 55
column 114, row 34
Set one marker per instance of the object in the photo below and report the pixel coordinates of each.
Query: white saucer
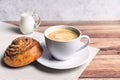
column 80, row 58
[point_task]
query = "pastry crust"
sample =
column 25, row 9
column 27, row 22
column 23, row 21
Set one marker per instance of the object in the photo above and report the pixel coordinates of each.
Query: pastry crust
column 22, row 51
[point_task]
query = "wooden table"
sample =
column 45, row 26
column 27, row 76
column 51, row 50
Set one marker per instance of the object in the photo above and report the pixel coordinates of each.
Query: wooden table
column 104, row 35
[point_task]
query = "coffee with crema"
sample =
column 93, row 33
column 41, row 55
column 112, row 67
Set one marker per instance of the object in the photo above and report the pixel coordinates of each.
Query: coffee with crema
column 62, row 34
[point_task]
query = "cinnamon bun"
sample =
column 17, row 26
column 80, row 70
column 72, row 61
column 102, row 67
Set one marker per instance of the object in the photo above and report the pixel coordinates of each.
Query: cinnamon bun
column 22, row 51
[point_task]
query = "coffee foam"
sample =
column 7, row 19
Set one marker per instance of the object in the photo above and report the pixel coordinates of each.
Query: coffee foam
column 62, row 34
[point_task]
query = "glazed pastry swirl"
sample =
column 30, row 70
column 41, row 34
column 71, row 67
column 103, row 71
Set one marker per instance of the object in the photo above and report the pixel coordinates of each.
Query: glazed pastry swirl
column 22, row 51
column 20, row 45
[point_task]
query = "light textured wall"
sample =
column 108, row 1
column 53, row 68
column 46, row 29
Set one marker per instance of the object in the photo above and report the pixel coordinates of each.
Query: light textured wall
column 62, row 9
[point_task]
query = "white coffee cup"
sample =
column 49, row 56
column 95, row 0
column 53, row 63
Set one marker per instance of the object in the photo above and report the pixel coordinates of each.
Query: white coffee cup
column 63, row 50
column 27, row 22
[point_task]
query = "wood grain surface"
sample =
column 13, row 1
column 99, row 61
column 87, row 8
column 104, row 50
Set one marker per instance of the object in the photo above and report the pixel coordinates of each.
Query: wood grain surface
column 104, row 35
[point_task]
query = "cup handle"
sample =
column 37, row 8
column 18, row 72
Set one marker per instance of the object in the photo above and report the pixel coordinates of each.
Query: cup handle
column 37, row 24
column 86, row 44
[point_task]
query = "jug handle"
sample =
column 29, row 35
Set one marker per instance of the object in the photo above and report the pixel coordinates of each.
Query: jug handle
column 37, row 24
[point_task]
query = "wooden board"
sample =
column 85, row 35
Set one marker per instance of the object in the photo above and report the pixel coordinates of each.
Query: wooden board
column 104, row 35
